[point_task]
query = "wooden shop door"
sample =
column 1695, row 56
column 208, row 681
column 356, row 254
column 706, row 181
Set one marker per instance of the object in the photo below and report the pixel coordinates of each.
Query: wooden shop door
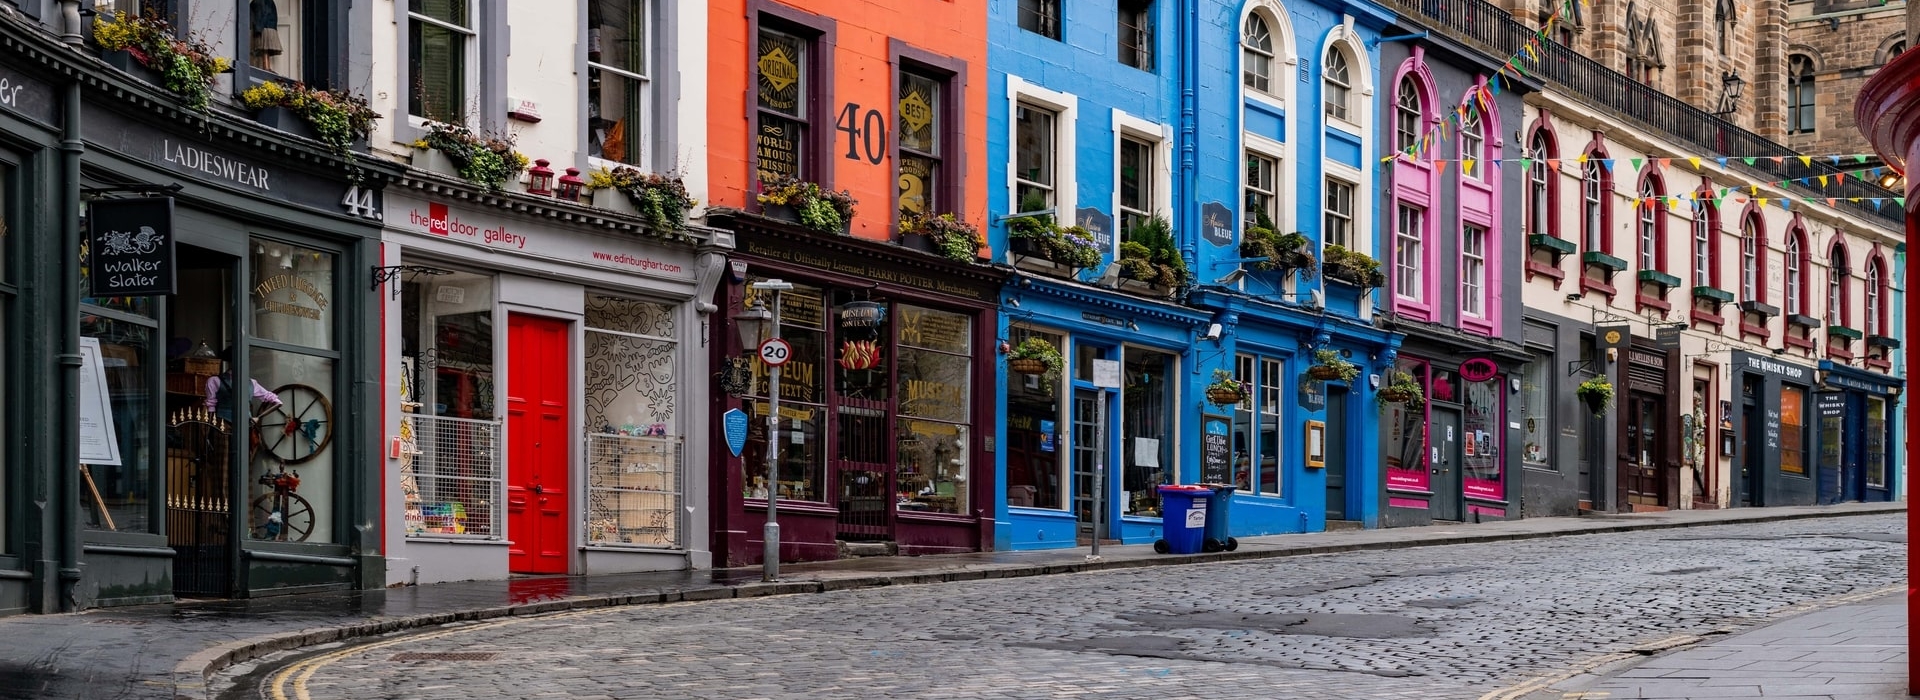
column 538, row 448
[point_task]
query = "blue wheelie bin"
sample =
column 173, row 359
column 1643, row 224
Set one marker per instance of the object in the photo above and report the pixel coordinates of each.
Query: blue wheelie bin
column 1217, row 538
column 1183, row 519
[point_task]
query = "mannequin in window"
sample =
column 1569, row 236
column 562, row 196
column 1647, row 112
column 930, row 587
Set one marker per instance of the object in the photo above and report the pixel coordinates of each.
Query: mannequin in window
column 219, row 397
column 266, row 33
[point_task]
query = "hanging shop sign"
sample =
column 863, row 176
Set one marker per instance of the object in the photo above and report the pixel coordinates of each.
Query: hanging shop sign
column 130, row 247
column 1216, row 223
column 1216, row 449
column 1614, row 337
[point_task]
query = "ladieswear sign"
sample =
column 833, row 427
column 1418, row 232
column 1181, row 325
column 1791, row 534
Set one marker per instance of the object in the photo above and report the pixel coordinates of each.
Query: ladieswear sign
column 130, row 247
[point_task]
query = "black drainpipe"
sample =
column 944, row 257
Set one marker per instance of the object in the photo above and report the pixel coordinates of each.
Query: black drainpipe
column 68, row 466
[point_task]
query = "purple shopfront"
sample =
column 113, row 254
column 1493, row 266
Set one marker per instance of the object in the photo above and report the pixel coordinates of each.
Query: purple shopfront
column 1446, row 457
column 886, row 405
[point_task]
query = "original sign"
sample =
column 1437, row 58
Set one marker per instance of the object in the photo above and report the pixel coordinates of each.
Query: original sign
column 1216, row 223
column 1216, row 449
column 130, row 247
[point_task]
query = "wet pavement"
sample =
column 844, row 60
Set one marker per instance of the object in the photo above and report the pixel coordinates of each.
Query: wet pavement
column 161, row 651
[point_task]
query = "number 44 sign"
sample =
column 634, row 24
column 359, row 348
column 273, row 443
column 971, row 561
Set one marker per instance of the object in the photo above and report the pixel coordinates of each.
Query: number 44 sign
column 775, row 352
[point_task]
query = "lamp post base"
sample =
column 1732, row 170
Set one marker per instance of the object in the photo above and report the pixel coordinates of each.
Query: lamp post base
column 770, row 556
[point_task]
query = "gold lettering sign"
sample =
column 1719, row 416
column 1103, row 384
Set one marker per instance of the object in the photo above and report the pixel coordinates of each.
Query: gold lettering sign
column 935, row 330
column 295, row 283
column 915, row 112
column 777, row 148
column 779, row 68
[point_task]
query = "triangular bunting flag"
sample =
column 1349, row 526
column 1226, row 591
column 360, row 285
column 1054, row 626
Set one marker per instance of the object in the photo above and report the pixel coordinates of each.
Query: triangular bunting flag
column 1785, row 203
column 1723, row 161
column 1840, row 178
column 1466, row 167
column 1779, row 160
column 1836, row 160
column 1695, row 162
column 1665, row 163
column 1823, row 181
column 1876, row 204
column 1581, row 159
column 1525, row 163
column 1607, row 163
column 1806, row 161
column 1860, row 158
column 1635, row 162
column 1832, row 202
column 1902, row 201
column 1749, row 160
column 1763, row 202
column 1440, row 167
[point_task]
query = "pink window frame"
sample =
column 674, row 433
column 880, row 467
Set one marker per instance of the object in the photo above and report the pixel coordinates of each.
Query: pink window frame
column 1414, row 182
column 1478, row 203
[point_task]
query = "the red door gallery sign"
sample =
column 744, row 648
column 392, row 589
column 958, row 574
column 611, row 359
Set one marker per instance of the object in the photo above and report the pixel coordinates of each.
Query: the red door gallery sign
column 1478, row 369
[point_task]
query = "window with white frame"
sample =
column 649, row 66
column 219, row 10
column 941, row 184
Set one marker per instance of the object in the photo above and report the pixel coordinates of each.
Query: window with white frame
column 1407, row 110
column 1409, row 230
column 1702, row 245
column 1593, row 206
column 1749, row 262
column 1035, row 156
column 1649, row 227
column 1473, row 144
column 1873, row 298
column 1796, row 275
column 1136, row 182
column 1837, row 287
column 440, row 41
column 1256, row 425
column 1339, row 84
column 1537, row 184
column 619, row 91
column 1262, row 176
column 1256, row 54
column 1338, row 227
column 1473, row 270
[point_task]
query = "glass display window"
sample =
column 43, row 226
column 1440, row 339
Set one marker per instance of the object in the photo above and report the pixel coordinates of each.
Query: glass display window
column 802, row 454
column 292, row 473
column 1793, row 429
column 1536, row 409
column 1406, row 426
column 1484, row 466
column 1256, row 425
column 935, row 404
column 1036, row 455
column 1147, row 428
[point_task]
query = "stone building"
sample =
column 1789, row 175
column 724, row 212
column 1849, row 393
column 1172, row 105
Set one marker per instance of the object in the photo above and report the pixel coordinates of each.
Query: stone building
column 1834, row 46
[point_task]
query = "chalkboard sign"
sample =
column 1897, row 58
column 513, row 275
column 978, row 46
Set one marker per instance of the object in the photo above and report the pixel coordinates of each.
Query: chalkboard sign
column 130, row 249
column 1773, row 428
column 1216, row 450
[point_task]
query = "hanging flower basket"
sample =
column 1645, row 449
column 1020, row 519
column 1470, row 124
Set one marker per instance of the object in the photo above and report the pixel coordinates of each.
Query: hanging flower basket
column 1330, row 366
column 1027, row 366
column 1225, row 390
column 1596, row 393
column 1394, row 395
column 1036, row 356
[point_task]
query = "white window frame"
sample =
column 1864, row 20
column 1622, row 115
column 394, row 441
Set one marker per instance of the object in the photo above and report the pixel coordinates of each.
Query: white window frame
column 1702, row 245
column 1473, row 144
column 1749, row 261
column 646, row 133
column 1413, row 243
column 1349, row 217
column 1539, row 191
column 471, row 66
column 1269, row 53
column 1593, row 202
column 1328, row 85
column 1796, row 275
column 1401, row 112
column 1343, row 38
column 1160, row 136
column 1473, row 292
column 1649, row 223
column 1273, row 197
column 1873, row 297
column 1836, row 287
column 1066, row 109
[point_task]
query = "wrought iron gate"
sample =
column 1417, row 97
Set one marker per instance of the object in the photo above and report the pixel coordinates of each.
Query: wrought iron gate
column 861, row 470
column 199, row 505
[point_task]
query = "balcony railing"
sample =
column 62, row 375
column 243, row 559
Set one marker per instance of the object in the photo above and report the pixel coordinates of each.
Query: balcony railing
column 1495, row 31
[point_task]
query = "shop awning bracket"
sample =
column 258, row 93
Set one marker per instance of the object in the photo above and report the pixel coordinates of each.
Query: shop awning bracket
column 391, row 275
column 92, row 192
column 1577, row 366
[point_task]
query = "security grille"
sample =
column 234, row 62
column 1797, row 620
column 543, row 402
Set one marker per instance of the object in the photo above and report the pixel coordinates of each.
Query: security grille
column 451, row 473
column 634, row 491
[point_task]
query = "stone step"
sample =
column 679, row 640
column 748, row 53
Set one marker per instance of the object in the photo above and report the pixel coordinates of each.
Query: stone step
column 1337, row 525
column 853, row 550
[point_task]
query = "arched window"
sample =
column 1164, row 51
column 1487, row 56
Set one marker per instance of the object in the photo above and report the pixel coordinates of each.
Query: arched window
column 1800, row 94
column 1256, row 54
column 1837, row 287
column 1540, row 205
column 1408, row 110
column 1875, row 324
column 1339, row 84
column 1594, row 217
column 1650, row 225
column 1706, row 221
column 1796, row 301
column 1473, row 145
column 1750, row 260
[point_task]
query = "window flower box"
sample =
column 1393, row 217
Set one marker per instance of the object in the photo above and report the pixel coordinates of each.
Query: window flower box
column 1881, row 341
column 1711, row 295
column 1603, row 261
column 1559, row 247
column 1665, row 281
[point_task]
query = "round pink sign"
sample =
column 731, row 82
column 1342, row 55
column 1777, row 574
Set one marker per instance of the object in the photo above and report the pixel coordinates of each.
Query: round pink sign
column 1478, row 369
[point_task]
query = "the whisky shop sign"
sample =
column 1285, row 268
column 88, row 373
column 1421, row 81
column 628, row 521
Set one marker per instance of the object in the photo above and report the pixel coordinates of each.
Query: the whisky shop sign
column 861, row 266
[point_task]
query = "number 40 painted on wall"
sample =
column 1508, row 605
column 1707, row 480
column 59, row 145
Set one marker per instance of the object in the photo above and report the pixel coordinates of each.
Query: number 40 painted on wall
column 870, row 135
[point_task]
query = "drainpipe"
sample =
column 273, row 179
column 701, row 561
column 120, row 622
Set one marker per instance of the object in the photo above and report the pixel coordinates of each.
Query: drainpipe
column 69, row 358
column 1186, row 187
column 71, row 29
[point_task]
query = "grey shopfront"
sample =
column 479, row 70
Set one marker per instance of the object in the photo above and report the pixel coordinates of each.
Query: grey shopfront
column 1772, row 428
column 1560, row 439
column 274, row 239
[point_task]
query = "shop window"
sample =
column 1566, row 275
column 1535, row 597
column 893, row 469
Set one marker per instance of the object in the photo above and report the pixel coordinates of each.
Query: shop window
column 1256, row 54
column 1036, row 459
column 441, row 48
column 1876, row 443
column 1256, row 425
column 1483, row 469
column 1536, row 412
column 452, row 467
column 1409, row 282
column 1793, row 430
column 117, row 495
column 1262, row 184
column 1339, row 215
column 1035, row 155
column 1135, row 30
column 631, row 392
column 1136, row 178
column 1406, row 426
column 783, row 80
column 935, row 407
column 1147, row 425
column 619, row 109
column 802, row 456
column 1041, row 17
column 1339, row 84
column 293, row 289
column 922, row 111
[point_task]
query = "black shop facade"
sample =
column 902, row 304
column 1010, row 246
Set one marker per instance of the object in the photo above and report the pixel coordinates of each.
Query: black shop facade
column 885, row 407
column 1772, row 429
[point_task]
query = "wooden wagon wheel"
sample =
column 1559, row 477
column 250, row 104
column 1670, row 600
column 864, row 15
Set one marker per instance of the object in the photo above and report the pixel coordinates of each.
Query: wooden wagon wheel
column 301, row 427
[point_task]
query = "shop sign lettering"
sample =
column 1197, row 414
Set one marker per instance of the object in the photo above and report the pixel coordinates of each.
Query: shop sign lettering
column 130, row 247
column 439, row 222
column 1759, row 364
column 229, row 169
column 861, row 268
column 1216, row 223
column 296, row 283
column 30, row 98
column 1839, row 380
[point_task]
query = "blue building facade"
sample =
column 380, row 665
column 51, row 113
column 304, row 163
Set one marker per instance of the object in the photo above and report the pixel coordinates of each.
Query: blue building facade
column 1212, row 117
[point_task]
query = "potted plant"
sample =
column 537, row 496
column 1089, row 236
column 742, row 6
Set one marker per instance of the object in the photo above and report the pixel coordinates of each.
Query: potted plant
column 1328, row 364
column 333, row 117
column 1352, row 267
column 807, row 203
column 1597, row 393
column 1401, row 388
column 489, row 162
column 947, row 235
column 1225, row 390
column 186, row 67
column 1149, row 255
column 1035, row 356
column 660, row 199
column 1027, row 235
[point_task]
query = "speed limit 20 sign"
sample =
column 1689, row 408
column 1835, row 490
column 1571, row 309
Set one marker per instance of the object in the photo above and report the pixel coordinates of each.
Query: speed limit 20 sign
column 775, row 352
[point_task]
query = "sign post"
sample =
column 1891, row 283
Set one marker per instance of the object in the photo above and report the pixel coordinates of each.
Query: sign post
column 1106, row 375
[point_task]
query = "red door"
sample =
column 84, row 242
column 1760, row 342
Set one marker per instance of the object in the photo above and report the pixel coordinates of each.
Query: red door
column 537, row 452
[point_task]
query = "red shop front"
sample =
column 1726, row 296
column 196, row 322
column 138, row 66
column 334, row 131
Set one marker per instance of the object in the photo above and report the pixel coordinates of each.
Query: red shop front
column 886, row 407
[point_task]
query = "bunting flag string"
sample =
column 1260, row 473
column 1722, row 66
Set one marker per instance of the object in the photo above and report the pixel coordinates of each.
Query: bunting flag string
column 1673, row 201
column 1481, row 98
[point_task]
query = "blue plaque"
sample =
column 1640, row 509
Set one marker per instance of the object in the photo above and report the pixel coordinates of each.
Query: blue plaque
column 735, row 422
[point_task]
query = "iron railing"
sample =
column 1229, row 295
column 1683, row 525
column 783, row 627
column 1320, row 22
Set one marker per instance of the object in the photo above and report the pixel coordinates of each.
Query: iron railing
column 452, row 477
column 1495, row 31
column 634, row 491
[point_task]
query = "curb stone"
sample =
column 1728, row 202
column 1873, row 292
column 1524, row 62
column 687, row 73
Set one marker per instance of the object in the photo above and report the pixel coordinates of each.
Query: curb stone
column 192, row 676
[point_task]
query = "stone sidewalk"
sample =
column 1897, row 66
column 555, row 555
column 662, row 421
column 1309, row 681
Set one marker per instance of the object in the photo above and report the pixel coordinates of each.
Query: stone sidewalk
column 1848, row 652
column 168, row 651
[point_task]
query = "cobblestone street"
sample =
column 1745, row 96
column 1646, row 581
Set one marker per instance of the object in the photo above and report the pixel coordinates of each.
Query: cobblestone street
column 1437, row 622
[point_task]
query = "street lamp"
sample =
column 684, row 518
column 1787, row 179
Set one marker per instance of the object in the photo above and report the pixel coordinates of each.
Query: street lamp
column 756, row 324
column 1731, row 85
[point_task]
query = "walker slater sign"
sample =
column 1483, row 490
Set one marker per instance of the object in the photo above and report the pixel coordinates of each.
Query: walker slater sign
column 130, row 247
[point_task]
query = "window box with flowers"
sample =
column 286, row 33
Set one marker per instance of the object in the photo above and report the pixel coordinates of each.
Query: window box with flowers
column 1596, row 393
column 946, row 235
column 1149, row 259
column 337, row 118
column 1040, row 245
column 1036, row 356
column 185, row 67
column 452, row 149
column 1401, row 388
column 808, row 204
column 659, row 199
column 1352, row 267
column 1328, row 365
column 1225, row 390
column 1284, row 253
